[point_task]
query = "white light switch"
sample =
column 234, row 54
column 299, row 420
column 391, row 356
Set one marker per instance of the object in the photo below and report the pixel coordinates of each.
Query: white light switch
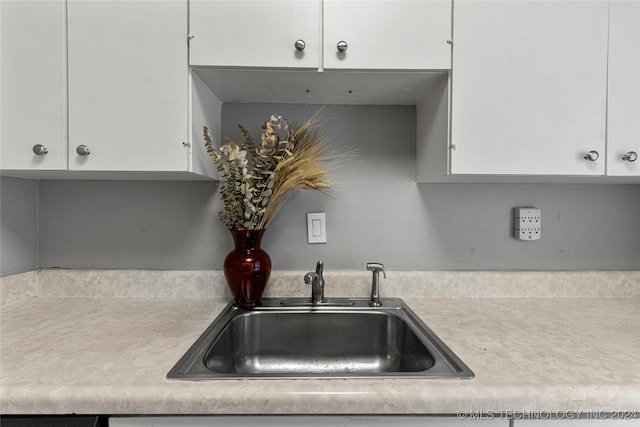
column 316, row 228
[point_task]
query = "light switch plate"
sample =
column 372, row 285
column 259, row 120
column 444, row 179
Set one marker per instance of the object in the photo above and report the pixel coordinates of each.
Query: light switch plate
column 316, row 228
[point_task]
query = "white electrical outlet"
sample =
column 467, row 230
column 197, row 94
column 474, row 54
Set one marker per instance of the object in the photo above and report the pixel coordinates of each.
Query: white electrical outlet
column 527, row 223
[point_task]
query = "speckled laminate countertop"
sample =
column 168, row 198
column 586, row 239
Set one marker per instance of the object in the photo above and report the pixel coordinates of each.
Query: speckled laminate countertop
column 109, row 355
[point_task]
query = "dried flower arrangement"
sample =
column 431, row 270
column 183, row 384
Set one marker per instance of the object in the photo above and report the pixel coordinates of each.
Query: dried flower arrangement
column 257, row 179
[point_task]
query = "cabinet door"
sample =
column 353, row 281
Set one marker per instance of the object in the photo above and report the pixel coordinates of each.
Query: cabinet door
column 387, row 34
column 623, row 126
column 128, row 85
column 231, row 33
column 529, row 87
column 33, row 84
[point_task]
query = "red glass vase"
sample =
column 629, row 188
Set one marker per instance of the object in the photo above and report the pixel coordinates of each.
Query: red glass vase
column 247, row 268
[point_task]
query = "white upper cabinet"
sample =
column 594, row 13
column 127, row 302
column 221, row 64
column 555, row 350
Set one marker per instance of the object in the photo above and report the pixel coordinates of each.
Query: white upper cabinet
column 623, row 125
column 400, row 34
column 100, row 89
column 380, row 34
column 529, row 87
column 33, row 35
column 128, row 85
column 232, row 33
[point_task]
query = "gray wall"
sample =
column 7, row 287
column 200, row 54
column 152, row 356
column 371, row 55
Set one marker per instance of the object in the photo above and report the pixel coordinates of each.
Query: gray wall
column 18, row 225
column 377, row 213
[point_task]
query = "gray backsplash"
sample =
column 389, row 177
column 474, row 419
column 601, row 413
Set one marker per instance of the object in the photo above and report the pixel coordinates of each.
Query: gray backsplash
column 18, row 225
column 377, row 213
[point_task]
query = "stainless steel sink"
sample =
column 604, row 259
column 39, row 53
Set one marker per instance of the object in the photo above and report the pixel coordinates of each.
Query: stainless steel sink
column 341, row 338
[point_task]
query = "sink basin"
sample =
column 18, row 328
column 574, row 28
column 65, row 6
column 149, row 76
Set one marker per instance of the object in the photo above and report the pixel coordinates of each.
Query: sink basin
column 341, row 338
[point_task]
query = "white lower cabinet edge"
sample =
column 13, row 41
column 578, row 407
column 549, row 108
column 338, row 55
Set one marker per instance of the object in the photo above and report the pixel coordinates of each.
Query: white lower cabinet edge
column 302, row 420
column 614, row 420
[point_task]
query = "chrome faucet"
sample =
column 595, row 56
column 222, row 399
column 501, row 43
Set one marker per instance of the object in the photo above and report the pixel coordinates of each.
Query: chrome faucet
column 376, row 268
column 316, row 281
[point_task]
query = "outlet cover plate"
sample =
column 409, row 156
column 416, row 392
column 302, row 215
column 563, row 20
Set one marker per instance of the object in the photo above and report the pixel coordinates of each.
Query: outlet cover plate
column 527, row 224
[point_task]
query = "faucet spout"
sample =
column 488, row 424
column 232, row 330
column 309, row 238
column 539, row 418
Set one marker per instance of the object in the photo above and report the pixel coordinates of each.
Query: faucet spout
column 316, row 281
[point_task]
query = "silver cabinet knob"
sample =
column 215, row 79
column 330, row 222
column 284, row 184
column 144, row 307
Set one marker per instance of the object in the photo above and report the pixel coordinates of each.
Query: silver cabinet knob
column 342, row 46
column 300, row 45
column 83, row 150
column 592, row 156
column 40, row 150
column 631, row 156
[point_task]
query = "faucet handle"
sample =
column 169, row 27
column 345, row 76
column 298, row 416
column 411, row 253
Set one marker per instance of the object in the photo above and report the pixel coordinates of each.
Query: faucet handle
column 308, row 278
column 376, row 267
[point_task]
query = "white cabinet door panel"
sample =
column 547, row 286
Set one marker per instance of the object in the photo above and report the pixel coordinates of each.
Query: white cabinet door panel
column 623, row 124
column 128, row 85
column 254, row 33
column 529, row 87
column 399, row 34
column 33, row 84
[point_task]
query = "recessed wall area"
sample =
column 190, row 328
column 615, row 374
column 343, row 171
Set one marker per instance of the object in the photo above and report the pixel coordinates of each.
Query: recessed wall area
column 377, row 212
column 18, row 225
